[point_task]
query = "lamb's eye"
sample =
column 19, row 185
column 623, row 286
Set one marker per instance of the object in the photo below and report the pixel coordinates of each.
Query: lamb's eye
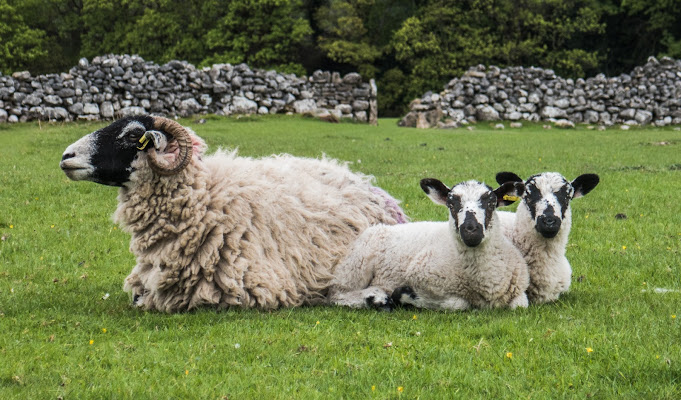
column 454, row 203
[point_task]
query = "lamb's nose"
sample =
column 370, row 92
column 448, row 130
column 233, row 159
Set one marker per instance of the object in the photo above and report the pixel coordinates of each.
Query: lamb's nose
column 66, row 156
column 470, row 227
column 551, row 221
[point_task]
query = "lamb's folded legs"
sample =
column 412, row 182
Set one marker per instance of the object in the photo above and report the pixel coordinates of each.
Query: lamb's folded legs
column 405, row 295
column 371, row 297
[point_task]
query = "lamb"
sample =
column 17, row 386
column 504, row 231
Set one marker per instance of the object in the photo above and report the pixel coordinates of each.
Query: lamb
column 455, row 265
column 223, row 230
column 540, row 228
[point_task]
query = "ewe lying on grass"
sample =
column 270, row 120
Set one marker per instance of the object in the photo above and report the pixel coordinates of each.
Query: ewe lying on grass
column 225, row 230
column 540, row 228
column 466, row 262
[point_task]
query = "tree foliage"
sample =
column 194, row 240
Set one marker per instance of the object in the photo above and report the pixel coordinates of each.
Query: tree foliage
column 409, row 46
column 263, row 33
column 20, row 45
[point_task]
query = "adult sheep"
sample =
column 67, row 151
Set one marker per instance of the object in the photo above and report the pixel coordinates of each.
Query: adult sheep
column 221, row 229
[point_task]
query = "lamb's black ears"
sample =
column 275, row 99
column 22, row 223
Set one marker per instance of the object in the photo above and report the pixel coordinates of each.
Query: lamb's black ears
column 436, row 190
column 583, row 184
column 503, row 177
column 509, row 192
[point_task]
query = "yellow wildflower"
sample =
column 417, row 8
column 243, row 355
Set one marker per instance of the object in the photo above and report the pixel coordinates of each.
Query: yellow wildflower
column 624, row 247
column 400, row 389
column 509, row 355
column 414, row 317
column 589, row 350
column 373, row 388
column 103, row 330
column 673, row 316
column 11, row 227
column 92, row 342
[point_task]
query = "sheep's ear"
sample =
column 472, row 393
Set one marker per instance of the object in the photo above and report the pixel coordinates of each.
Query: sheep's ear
column 159, row 139
column 503, row 177
column 583, row 184
column 436, row 190
column 509, row 192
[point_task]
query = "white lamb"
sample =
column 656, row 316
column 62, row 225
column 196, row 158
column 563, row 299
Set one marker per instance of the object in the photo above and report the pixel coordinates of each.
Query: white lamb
column 465, row 262
column 223, row 230
column 540, row 228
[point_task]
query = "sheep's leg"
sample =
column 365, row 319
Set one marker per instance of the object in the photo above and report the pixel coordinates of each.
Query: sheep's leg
column 371, row 297
column 135, row 286
column 519, row 301
column 405, row 295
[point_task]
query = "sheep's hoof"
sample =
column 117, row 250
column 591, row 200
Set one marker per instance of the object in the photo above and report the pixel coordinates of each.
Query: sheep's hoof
column 384, row 305
column 404, row 296
column 138, row 300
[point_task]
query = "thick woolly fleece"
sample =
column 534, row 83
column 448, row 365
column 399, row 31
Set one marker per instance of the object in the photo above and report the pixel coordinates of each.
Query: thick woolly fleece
column 237, row 231
column 550, row 272
column 431, row 258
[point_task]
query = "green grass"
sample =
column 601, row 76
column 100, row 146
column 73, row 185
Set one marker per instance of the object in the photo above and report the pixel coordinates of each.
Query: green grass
column 61, row 255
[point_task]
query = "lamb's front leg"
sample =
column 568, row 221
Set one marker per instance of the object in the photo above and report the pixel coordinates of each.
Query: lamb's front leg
column 353, row 284
column 405, row 295
column 371, row 297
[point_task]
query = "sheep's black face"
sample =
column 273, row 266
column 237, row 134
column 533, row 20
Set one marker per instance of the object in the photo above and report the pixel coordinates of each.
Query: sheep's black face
column 471, row 205
column 105, row 156
column 547, row 197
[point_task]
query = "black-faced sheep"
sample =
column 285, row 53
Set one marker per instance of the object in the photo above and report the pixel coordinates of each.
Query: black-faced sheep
column 540, row 228
column 225, row 230
column 465, row 262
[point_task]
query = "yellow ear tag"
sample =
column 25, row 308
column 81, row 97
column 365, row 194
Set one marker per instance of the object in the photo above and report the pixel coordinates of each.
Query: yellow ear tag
column 144, row 140
column 511, row 198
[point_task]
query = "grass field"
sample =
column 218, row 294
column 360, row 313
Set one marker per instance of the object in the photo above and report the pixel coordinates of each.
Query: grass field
column 67, row 329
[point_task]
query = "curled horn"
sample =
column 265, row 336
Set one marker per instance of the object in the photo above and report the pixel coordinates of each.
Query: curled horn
column 184, row 142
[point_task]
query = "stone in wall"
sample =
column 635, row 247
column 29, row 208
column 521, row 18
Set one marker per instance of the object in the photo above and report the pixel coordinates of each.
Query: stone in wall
column 114, row 86
column 650, row 94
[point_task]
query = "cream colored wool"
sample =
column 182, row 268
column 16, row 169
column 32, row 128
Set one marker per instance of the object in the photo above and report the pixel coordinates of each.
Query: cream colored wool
column 550, row 271
column 237, row 231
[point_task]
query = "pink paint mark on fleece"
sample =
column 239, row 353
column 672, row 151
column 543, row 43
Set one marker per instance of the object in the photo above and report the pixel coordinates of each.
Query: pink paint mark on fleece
column 392, row 205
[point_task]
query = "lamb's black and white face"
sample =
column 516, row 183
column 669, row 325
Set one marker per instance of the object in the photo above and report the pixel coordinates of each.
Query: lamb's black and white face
column 105, row 156
column 471, row 205
column 547, row 197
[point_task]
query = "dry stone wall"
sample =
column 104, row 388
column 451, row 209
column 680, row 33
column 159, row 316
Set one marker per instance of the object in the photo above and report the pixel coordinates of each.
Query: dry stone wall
column 114, row 86
column 650, row 94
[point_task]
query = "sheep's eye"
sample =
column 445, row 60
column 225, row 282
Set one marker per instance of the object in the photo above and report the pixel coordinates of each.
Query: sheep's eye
column 454, row 203
column 135, row 135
